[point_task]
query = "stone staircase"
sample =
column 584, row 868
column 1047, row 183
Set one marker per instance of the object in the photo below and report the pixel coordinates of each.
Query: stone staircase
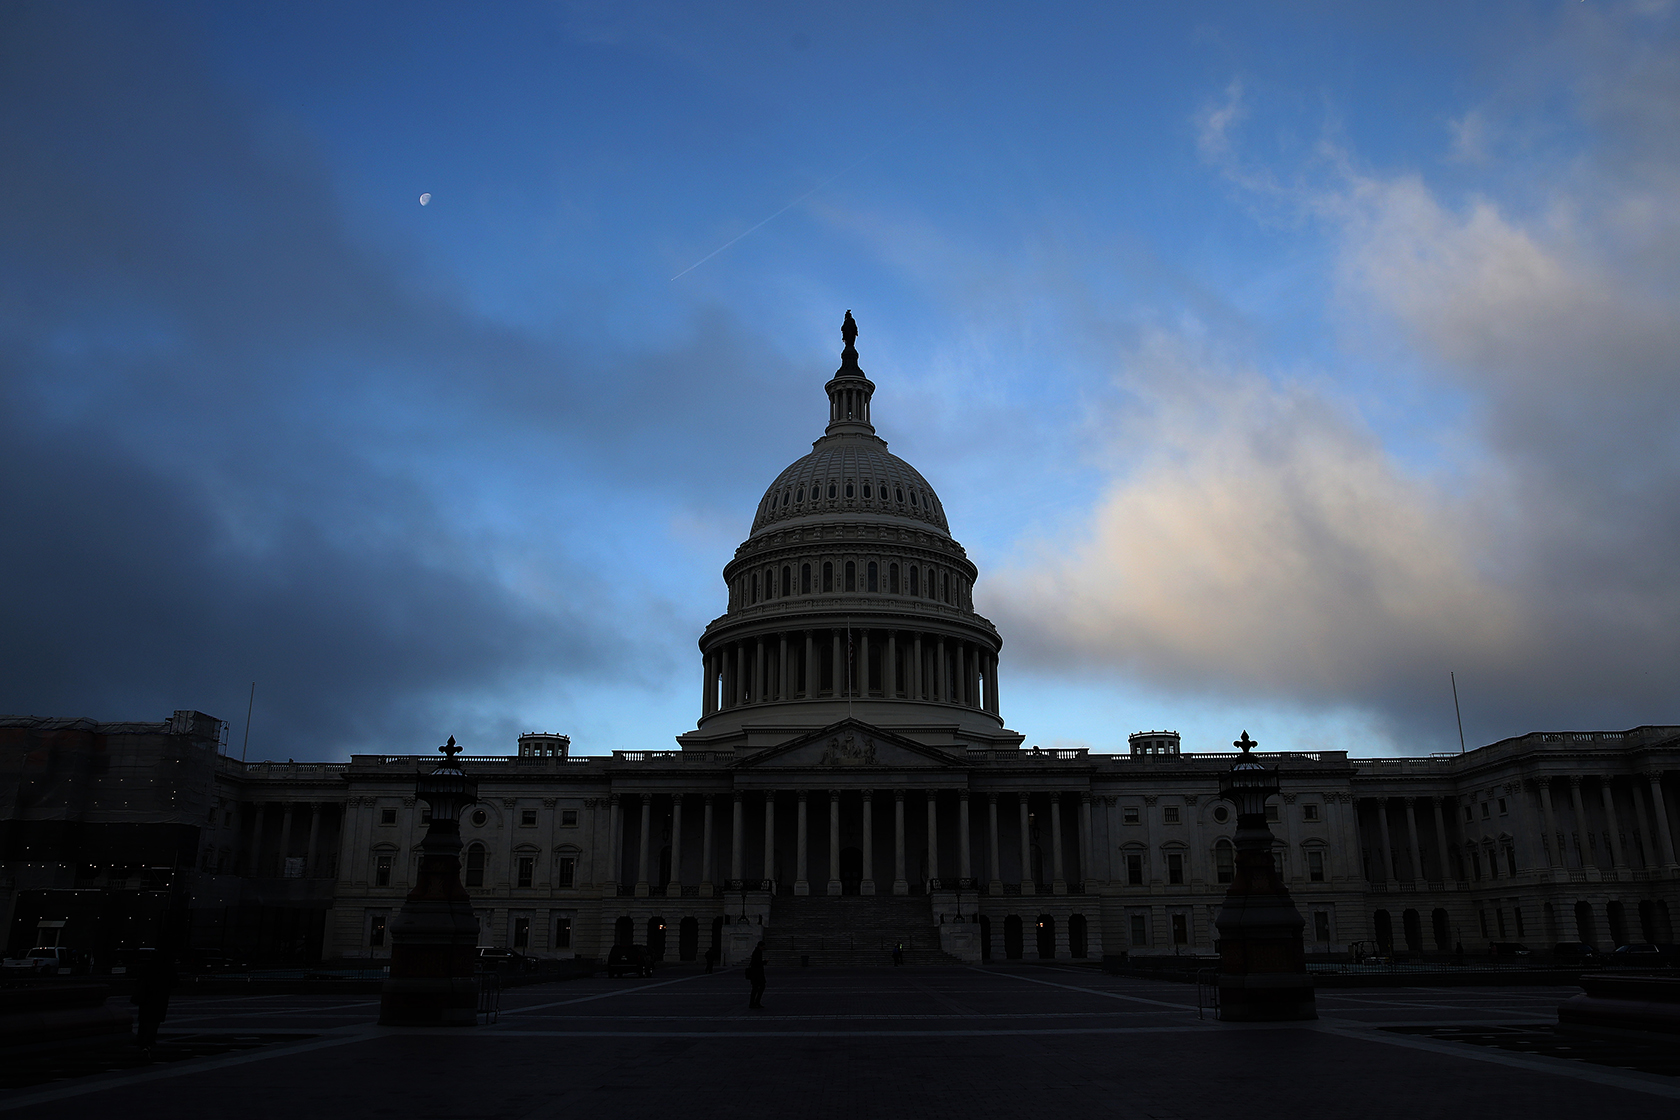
column 852, row 930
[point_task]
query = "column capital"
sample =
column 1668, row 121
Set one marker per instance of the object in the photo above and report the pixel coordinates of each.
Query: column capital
column 962, row 794
column 1410, row 800
column 1085, row 797
column 898, row 795
column 1381, row 799
column 707, row 797
column 613, row 799
column 804, row 794
column 868, row 794
column 834, row 795
column 1652, row 776
column 736, row 795
column 932, row 794
column 647, row 799
column 1574, row 781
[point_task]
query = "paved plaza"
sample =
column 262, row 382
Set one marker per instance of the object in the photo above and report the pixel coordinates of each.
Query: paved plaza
column 933, row 1042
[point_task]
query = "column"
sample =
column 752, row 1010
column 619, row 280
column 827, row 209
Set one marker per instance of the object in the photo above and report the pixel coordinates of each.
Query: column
column 838, row 676
column 933, row 834
column 1058, row 881
column 642, row 853
column 868, row 884
column 309, row 871
column 811, row 686
column 1580, row 815
column 770, row 834
column 1665, row 835
column 615, row 843
column 1412, row 839
column 1647, row 843
column 735, row 837
column 783, row 690
column 959, row 675
column 758, row 671
column 834, row 842
column 253, row 861
column 1026, row 849
column 995, row 886
column 863, row 663
column 1554, row 843
column 1387, row 848
column 674, row 888
column 705, row 684
column 1618, row 858
column 286, row 835
column 901, row 885
column 801, row 884
column 889, row 679
column 740, row 681
column 915, row 681
column 706, row 847
column 941, row 688
column 1441, row 863
column 965, row 865
column 1085, row 838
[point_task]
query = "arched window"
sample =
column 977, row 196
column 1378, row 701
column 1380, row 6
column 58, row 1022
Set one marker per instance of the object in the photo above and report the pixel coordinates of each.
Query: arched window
column 787, row 580
column 785, row 497
column 804, row 579
column 851, row 576
column 913, row 498
column 914, row 586
column 945, row 585
column 898, row 492
column 475, row 865
column 831, row 491
column 1224, row 861
column 848, row 488
column 828, row 576
column 799, row 495
column 866, row 491
column 755, row 587
column 874, row 582
column 892, row 578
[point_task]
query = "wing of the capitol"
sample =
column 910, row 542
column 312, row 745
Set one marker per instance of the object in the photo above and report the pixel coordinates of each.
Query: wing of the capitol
column 850, row 787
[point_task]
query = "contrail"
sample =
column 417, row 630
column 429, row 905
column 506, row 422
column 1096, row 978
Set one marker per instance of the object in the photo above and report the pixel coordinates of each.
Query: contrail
column 780, row 212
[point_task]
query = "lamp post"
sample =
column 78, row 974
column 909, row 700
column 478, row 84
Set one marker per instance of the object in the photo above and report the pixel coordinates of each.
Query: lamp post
column 435, row 936
column 1262, row 967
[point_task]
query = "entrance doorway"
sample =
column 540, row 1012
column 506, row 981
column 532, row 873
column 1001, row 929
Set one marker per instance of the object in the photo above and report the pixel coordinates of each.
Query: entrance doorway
column 1414, row 931
column 1012, row 937
column 851, row 870
column 1046, row 938
column 656, row 938
column 1383, row 926
column 1076, row 937
column 688, row 939
column 624, row 930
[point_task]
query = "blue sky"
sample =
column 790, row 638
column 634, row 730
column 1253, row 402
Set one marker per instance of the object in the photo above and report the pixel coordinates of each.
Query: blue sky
column 1272, row 361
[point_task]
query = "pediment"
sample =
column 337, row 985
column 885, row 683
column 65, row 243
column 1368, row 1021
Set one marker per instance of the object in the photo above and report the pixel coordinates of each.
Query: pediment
column 849, row 744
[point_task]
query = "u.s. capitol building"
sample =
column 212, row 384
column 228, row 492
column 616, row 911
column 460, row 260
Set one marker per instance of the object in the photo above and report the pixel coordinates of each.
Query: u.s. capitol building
column 851, row 785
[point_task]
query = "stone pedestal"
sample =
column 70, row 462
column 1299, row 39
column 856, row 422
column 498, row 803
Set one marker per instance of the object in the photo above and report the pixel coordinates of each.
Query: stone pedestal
column 434, row 939
column 1262, row 967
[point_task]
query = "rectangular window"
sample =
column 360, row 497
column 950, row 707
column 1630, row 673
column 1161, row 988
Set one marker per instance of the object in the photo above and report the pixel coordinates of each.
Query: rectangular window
column 387, row 816
column 562, row 933
column 1516, row 915
column 1271, row 812
column 1175, row 867
column 527, row 818
column 527, row 866
column 804, row 589
column 1129, row 814
column 1169, row 814
column 1485, row 812
column 1140, row 929
column 1321, row 925
column 376, row 931
column 1502, row 809
column 1469, row 814
column 426, row 815
column 1181, row 929
column 1134, row 869
column 1309, row 812
column 828, row 577
column 1511, row 861
column 568, row 871
column 1224, row 863
column 382, row 871
column 1499, row 916
column 1481, row 916
column 568, row 818
column 1315, row 866
column 522, row 933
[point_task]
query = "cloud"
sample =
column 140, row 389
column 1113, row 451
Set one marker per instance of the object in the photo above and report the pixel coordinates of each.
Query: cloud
column 1260, row 537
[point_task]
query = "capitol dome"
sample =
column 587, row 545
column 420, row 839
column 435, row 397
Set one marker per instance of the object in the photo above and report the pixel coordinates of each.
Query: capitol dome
column 850, row 599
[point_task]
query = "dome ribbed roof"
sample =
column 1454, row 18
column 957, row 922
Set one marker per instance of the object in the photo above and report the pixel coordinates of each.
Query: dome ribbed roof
column 837, row 462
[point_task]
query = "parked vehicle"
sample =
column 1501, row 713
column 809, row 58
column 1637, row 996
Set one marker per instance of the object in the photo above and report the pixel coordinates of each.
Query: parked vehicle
column 1639, row 956
column 505, row 960
column 1575, row 954
column 1510, row 952
column 43, row 960
column 208, row 962
column 630, row 960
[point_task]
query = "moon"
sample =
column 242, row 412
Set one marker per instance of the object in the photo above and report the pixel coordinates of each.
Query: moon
column 425, row 198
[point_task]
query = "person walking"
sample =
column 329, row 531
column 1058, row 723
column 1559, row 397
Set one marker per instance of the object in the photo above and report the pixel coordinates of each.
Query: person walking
column 157, row 976
column 755, row 976
column 711, row 958
column 898, row 954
